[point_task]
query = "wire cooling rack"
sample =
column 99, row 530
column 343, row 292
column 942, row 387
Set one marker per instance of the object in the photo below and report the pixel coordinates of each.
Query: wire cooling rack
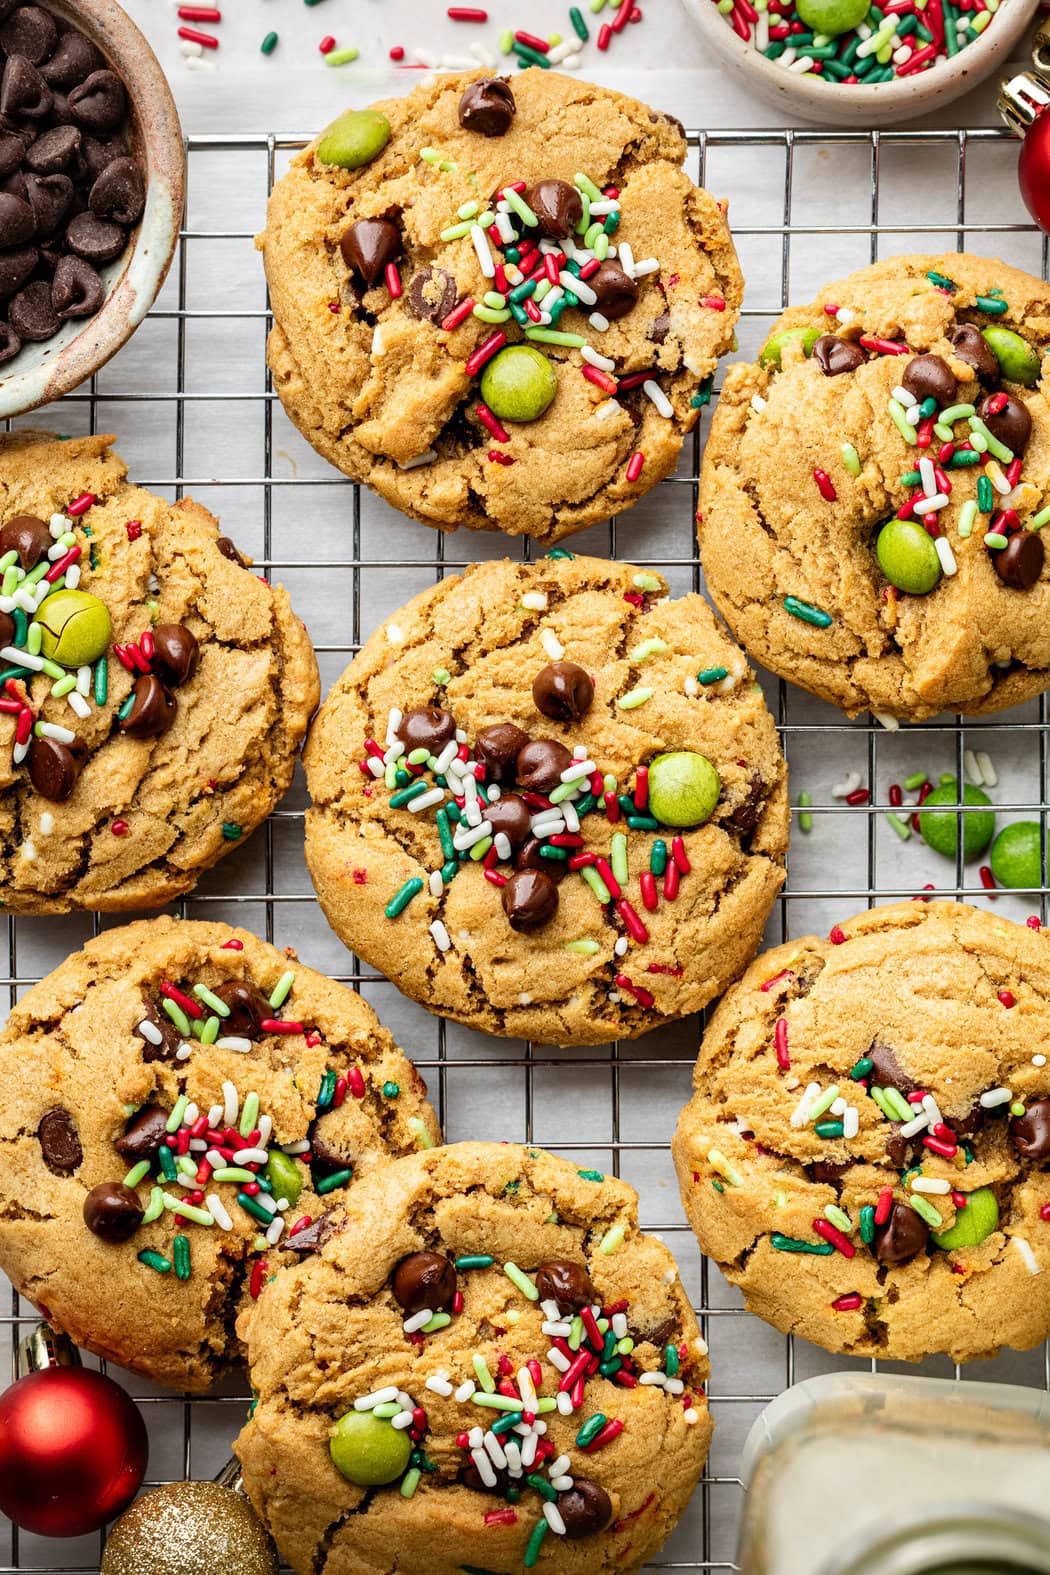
column 194, row 412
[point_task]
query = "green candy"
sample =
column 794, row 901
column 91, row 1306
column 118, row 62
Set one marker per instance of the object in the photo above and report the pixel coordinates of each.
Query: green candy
column 519, row 383
column 776, row 344
column 683, row 788
column 1015, row 855
column 907, row 557
column 75, row 628
column 1018, row 361
column 973, row 1223
column 367, row 1450
column 833, row 16
column 356, row 138
column 284, row 1176
column 940, row 828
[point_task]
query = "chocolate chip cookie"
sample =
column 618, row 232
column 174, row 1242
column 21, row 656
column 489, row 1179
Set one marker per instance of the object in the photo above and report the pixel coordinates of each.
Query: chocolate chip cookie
column 867, row 1151
column 182, row 1108
column 875, row 485
column 153, row 691
column 489, row 1367
column 548, row 801
column 499, row 303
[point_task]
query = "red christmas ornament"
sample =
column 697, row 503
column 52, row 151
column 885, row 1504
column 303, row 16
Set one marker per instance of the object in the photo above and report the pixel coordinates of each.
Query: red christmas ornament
column 1023, row 102
column 73, row 1447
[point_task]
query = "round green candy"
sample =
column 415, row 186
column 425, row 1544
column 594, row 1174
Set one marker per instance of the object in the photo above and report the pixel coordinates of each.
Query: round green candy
column 776, row 344
column 1015, row 855
column 940, row 826
column 75, row 628
column 833, row 16
column 683, row 788
column 519, row 383
column 973, row 1223
column 1018, row 361
column 356, row 138
column 367, row 1450
column 284, row 1176
column 907, row 557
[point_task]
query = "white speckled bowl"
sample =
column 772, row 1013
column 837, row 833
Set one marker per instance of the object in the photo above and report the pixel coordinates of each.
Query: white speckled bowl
column 43, row 372
column 883, row 103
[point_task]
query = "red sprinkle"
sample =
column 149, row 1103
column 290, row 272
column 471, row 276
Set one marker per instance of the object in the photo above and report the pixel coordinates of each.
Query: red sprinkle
column 634, row 469
column 641, row 788
column 767, row 985
column 672, row 880
column 960, row 1199
column 604, row 36
column 849, row 1302
column 714, row 303
column 531, row 41
column 996, row 404
column 458, row 314
column 600, row 379
column 81, row 505
column 614, row 1428
column 199, row 13
column 173, row 993
column 680, row 856
column 780, row 1042
column 490, row 423
column 987, row 878
column 896, row 796
column 631, row 922
column 1007, row 998
column 207, row 40
column 858, row 796
column 612, row 807
column 604, row 869
column 497, row 1517
column 134, row 529
column 397, row 53
column 301, row 1224
column 356, row 1082
column 1044, row 1212
column 325, row 46
column 825, row 485
column 884, row 1205
column 1033, row 922
column 647, row 882
column 640, row 994
column 59, row 568
column 497, row 456
column 884, row 346
column 840, row 1242
column 495, row 877
column 836, row 935
column 278, row 1025
column 939, row 1146
column 484, row 352
column 579, row 861
column 233, row 946
column 393, row 280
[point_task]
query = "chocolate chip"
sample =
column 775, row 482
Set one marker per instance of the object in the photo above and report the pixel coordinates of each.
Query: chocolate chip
column 153, row 709
column 1030, row 1133
column 827, row 1173
column 27, row 536
column 1012, row 424
column 511, row 816
column 499, row 747
column 970, row 345
column 15, row 268
column 143, row 1135
column 930, row 377
column 50, row 197
column 835, row 356
column 903, row 1235
column 10, row 345
column 567, row 1283
column 230, row 550
column 32, row 314
column 61, row 114
column 248, row 1008
column 59, row 1141
column 540, row 764
column 557, row 205
column 54, row 768
column 119, row 193
column 488, row 107
column 6, row 7
column 659, row 328
column 95, row 239
column 53, row 150
column 563, row 691
column 887, row 1072
column 99, row 102
column 113, row 1212
column 17, row 224
column 23, row 90
column 176, row 653
column 312, row 1237
column 898, row 1148
column 530, row 900
column 426, row 727
column 369, row 245
column 7, row 629
column 432, row 294
column 529, row 857
column 970, row 1124
column 745, row 815
column 12, row 151
column 74, row 59
column 29, row 31
column 615, row 289
column 1020, row 563
column 163, row 1025
column 76, row 289
column 98, row 152
column 585, row 1508
column 423, row 1279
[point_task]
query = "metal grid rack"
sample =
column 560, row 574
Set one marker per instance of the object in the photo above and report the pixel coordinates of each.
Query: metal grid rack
column 194, row 410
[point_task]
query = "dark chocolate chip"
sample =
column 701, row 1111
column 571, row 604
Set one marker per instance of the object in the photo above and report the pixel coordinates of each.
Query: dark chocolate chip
column 329, row 1156
column 61, row 114
column 7, row 629
column 540, row 764
column 970, row 345
column 153, row 709
column 563, row 691
column 424, row 1279
column 898, row 1148
column 143, row 1135
column 76, row 289
column 471, row 1477
column 53, row 151
column 230, row 550
column 530, row 900
column 615, row 289
column 585, row 1508
column 176, row 653
column 17, row 223
column 745, row 815
column 488, row 107
column 169, row 1034
column 970, row 1124
column 12, row 150
column 557, row 205
column 1020, row 563
column 1030, row 1133
column 566, row 1283
column 23, row 90
column 59, row 1141
column 835, row 356
column 887, row 1072
column 499, row 747
column 54, row 768
column 930, row 377
column 15, row 268
column 312, row 1237
column 27, row 536
column 119, row 193
column 826, row 1172
column 51, row 198
column 95, row 239
column 1012, row 424
column 368, row 245
column 6, row 7
column 99, row 102
column 113, row 1212
column 32, row 314
column 29, row 31
column 248, row 1008
column 659, row 328
column 99, row 152
column 432, row 294
column 74, row 59
column 426, row 727
column 529, row 857
column 511, row 816
column 903, row 1235
column 10, row 345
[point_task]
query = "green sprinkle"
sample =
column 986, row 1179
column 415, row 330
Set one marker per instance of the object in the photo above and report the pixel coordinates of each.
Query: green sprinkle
column 807, row 613
column 478, row 851
column 634, row 698
column 915, row 781
column 231, row 831
column 901, row 827
column 824, row 1101
column 595, row 882
column 209, row 998
column 485, row 1378
column 1037, row 521
column 539, row 1531
column 517, row 202
column 850, row 458
column 822, row 1249
column 137, row 1173
column 896, row 1103
column 618, row 857
column 584, row 948
column 181, row 1254
column 34, row 638
column 521, row 1280
column 440, row 1320
column 530, row 57
column 269, row 44
column 805, row 819
column 939, row 279
column 391, row 1090
column 671, row 1361
column 590, row 1175
column 326, row 1090
column 900, row 420
column 989, row 304
column 249, row 1114
column 956, row 413
column 475, row 1260
column 612, row 1239
column 658, row 857
column 562, row 791
column 401, row 899
column 642, row 823
column 338, row 1178
column 579, row 25
column 506, row 41
column 63, row 685
column 155, row 1260
column 999, row 450
column 839, row 1218
column 410, row 1481
column 233, row 1173
column 926, row 1211
column 101, row 680
column 407, row 794
column 155, row 1206
column 256, row 1210
column 712, row 675
column 590, row 1429
column 985, row 495
column 642, row 653
column 552, row 336
column 867, row 1224
column 189, row 1211
column 861, row 1068
column 174, row 1120
column 829, row 1129
column 182, row 1023
column 341, row 57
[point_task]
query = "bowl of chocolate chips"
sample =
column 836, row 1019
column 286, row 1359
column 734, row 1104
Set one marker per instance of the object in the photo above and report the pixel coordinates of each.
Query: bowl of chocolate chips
column 92, row 182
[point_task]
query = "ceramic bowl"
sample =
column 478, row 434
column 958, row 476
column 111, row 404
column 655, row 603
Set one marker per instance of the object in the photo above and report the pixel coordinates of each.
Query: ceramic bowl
column 884, row 103
column 43, row 372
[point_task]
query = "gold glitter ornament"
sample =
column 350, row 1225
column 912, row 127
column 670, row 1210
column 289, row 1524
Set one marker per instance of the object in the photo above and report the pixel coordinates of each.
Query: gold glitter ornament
column 189, row 1528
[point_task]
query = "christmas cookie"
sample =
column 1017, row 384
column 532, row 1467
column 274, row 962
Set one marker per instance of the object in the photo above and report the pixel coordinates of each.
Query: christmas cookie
column 549, row 802
column 489, row 1368
column 867, row 1151
column 499, row 303
column 875, row 485
column 153, row 691
column 182, row 1107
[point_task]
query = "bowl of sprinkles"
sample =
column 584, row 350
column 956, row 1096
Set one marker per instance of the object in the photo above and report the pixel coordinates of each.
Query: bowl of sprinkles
column 888, row 60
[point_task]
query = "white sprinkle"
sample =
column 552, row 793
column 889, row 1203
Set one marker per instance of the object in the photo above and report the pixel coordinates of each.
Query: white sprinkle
column 932, row 1109
column 484, row 251
column 800, row 1115
column 552, row 1515
column 58, row 525
column 78, row 705
column 929, row 480
column 626, row 259
column 150, row 1032
column 72, row 577
column 1039, row 1060
column 84, row 680
column 535, row 601
column 465, row 1391
column 564, row 1404
column 215, row 1116
column 528, row 1449
column 421, row 459
column 691, row 1416
column 903, row 397
column 845, row 314
column 417, row 1320
column 599, row 321
column 11, row 653
column 212, row 1155
column 890, row 723
column 61, row 735
column 845, row 788
column 466, row 839
column 913, row 1128
column 578, row 287
column 233, row 1042
column 658, row 397
column 250, row 1156
column 505, row 226
column 646, row 266
column 264, row 1200
column 607, row 408
column 47, row 823
column 850, row 1122
column 502, row 844
column 19, row 752
column 971, row 768
column 578, row 770
column 265, row 1129
column 988, row 771
column 674, row 1386
column 28, row 850
column 930, row 1184
column 604, row 363
column 232, row 1103
column 439, row 1386
column 561, row 1484
column 946, row 555
column 485, row 58
column 559, row 1467
column 558, row 1360
column 838, row 1108
column 484, row 1466
column 800, row 67
column 546, row 822
column 422, row 801
column 552, row 645
column 402, row 1421
column 995, row 1096
column 572, row 820
column 758, row 404
column 657, row 1380
column 440, row 935
column 218, row 1211
column 476, row 1437
column 1031, row 1262
column 436, row 883
column 395, row 634
column 513, row 1454
column 620, row 946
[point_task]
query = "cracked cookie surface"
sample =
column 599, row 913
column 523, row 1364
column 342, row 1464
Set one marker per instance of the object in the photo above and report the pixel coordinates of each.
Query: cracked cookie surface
column 377, row 385
column 770, row 533
column 330, row 1332
column 94, row 1074
column 147, row 811
column 937, row 1013
column 473, row 648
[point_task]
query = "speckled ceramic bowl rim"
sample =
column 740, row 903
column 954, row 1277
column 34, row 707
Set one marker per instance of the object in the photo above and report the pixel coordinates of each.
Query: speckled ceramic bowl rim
column 882, row 103
column 44, row 372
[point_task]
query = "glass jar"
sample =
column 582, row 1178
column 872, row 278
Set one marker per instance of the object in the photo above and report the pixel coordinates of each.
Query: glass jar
column 872, row 1474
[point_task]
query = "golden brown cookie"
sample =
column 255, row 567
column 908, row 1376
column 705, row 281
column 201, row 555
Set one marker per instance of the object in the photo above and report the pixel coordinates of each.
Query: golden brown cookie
column 182, row 1107
column 549, row 802
column 470, row 1286
column 152, row 705
column 856, row 543
column 866, row 1151
column 376, row 349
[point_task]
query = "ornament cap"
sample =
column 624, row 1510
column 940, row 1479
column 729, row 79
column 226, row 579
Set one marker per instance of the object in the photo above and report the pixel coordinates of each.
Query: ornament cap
column 44, row 1347
column 230, row 1476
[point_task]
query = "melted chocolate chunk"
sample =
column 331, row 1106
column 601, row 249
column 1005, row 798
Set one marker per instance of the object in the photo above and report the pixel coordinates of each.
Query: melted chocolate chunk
column 112, row 1211
column 176, row 653
column 169, row 1034
column 930, row 377
column 745, row 816
column 529, row 857
column 540, row 764
column 557, row 205
column 902, row 1237
column 567, row 1283
column 60, row 1141
column 427, row 727
column 432, row 294
column 499, row 747
column 511, row 816
column 970, row 345
column 530, row 900
column 835, row 356
column 1030, row 1133
column 1020, row 563
column 55, row 767
column 424, row 1279
column 887, row 1071
column 249, row 1008
column 153, row 709
column 369, row 245
column 615, row 289
column 488, row 107
column 1012, row 424
column 312, row 1237
column 143, row 1135
column 563, row 692
column 585, row 1508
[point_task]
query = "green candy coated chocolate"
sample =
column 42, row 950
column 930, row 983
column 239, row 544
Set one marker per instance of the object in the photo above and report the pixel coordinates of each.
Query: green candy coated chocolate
column 1018, row 361
column 907, row 557
column 519, row 383
column 75, row 628
column 973, row 1223
column 367, row 1450
column 284, row 1176
column 833, row 16
column 940, row 826
column 1015, row 855
column 683, row 788
column 356, row 138
column 776, row 344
